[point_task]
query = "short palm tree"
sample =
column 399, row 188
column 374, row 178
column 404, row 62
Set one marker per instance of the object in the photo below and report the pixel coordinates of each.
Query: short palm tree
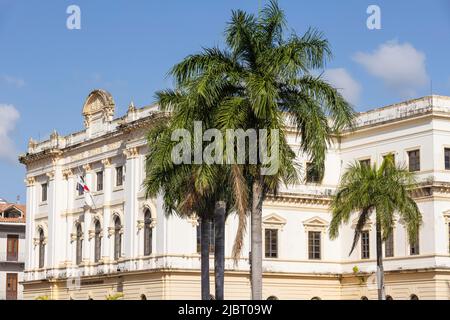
column 384, row 192
column 267, row 79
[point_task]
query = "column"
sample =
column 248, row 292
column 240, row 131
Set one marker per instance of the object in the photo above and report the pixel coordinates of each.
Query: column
column 87, row 218
column 131, row 207
column 69, row 178
column 107, row 192
column 55, row 195
column 30, row 225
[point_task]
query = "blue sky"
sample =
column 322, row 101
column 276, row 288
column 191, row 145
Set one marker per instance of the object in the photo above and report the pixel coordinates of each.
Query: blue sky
column 127, row 47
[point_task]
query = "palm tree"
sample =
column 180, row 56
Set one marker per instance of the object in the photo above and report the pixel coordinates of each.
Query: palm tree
column 383, row 191
column 267, row 77
column 207, row 191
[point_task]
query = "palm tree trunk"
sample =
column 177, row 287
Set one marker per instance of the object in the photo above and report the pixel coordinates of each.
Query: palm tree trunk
column 219, row 248
column 256, row 239
column 380, row 271
column 204, row 244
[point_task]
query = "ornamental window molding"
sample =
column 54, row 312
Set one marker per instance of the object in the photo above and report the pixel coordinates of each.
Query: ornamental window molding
column 315, row 224
column 367, row 226
column 273, row 221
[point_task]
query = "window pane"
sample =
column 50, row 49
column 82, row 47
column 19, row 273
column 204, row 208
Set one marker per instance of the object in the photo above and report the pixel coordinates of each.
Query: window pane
column 414, row 247
column 271, row 243
column 314, row 246
column 100, row 181
column 312, row 175
column 447, row 158
column 414, row 160
column 119, row 176
column 389, row 245
column 44, row 192
column 365, row 246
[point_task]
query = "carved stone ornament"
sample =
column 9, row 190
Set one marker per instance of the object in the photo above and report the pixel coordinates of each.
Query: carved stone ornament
column 99, row 103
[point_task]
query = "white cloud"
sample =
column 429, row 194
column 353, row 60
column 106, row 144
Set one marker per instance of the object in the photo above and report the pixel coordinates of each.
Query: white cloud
column 400, row 66
column 343, row 81
column 12, row 81
column 8, row 118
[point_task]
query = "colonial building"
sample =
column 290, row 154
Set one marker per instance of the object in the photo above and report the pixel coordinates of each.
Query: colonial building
column 124, row 242
column 12, row 249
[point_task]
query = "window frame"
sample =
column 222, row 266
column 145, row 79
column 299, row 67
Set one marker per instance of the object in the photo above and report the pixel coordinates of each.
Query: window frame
column 79, row 245
column 44, row 192
column 446, row 158
column 148, row 233
column 413, row 166
column 314, row 235
column 41, row 257
column 414, row 248
column 391, row 247
column 97, row 241
column 99, row 182
column 12, row 247
column 311, row 176
column 269, row 251
column 365, row 245
column 119, row 178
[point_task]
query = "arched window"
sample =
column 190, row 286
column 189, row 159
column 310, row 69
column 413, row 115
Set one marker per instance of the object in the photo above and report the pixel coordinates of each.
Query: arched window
column 364, row 298
column 413, row 297
column 117, row 238
column 147, row 233
column 41, row 248
column 143, row 297
column 79, row 245
column 316, row 298
column 98, row 242
column 388, row 297
column 272, row 298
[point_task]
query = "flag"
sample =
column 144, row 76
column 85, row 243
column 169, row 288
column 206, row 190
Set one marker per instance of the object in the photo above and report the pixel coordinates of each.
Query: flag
column 84, row 190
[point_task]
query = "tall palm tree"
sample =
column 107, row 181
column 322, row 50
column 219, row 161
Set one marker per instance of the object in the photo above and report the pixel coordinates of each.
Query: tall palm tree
column 268, row 78
column 383, row 191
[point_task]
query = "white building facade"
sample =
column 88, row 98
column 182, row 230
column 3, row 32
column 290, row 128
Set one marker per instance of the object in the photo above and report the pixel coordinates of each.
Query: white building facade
column 126, row 244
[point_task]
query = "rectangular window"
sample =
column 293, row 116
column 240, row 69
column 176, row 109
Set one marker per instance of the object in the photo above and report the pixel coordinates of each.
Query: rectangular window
column 271, row 243
column 389, row 245
column 12, row 253
column 100, row 181
column 314, row 238
column 447, row 158
column 365, row 245
column 414, row 160
column 414, row 248
column 312, row 175
column 365, row 162
column 44, row 188
column 119, row 176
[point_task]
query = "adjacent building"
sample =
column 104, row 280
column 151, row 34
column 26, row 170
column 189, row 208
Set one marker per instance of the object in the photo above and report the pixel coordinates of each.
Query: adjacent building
column 125, row 243
column 12, row 249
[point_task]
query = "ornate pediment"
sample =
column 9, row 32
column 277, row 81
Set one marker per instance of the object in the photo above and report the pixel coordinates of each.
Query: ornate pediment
column 315, row 222
column 273, row 221
column 99, row 105
column 367, row 226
